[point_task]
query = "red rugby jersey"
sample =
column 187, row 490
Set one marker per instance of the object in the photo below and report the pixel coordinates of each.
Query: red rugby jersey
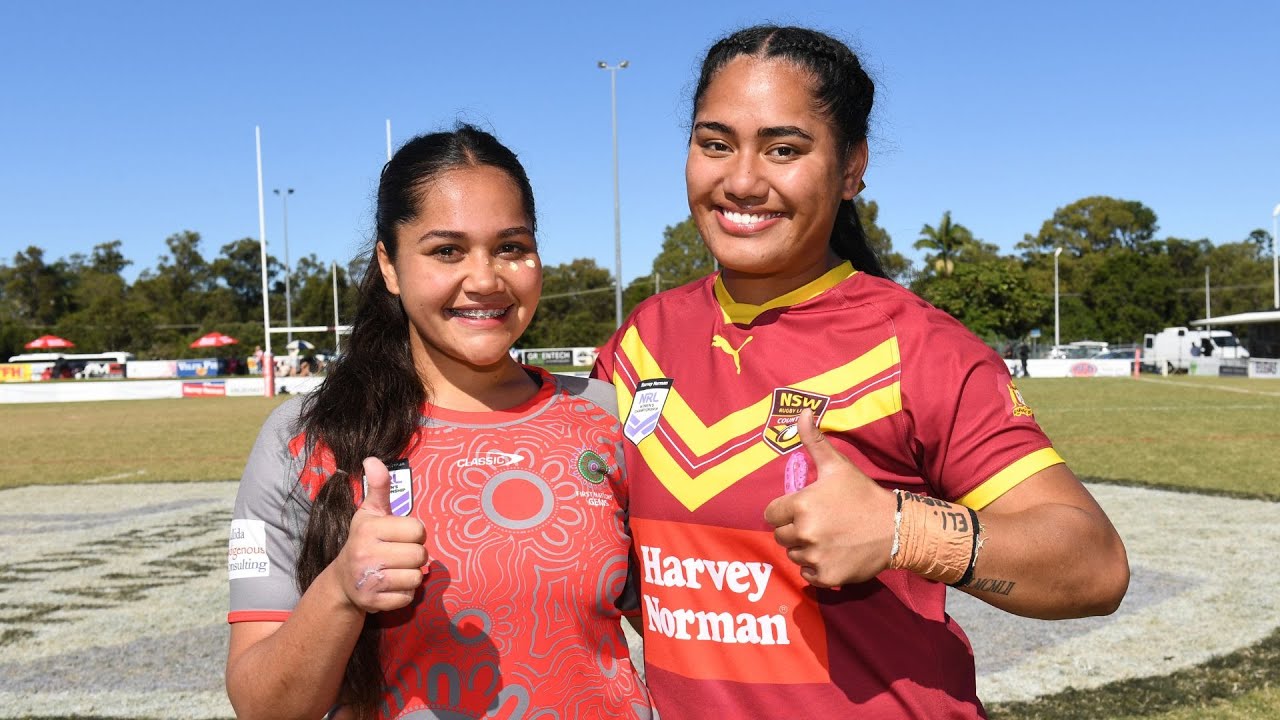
column 709, row 391
column 526, row 523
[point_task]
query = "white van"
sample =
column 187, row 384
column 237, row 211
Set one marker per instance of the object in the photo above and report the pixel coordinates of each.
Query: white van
column 1174, row 349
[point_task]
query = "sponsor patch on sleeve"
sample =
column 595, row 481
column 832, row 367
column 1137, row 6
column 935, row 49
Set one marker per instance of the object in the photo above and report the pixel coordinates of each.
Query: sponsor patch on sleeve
column 247, row 550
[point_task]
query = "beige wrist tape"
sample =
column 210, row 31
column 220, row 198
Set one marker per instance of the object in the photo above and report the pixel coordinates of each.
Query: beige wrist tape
column 934, row 539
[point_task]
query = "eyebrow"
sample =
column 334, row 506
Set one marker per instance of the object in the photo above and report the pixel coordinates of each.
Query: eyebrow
column 777, row 131
column 518, row 230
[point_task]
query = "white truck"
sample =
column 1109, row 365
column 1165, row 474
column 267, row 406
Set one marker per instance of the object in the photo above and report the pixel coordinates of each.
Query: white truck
column 1174, row 349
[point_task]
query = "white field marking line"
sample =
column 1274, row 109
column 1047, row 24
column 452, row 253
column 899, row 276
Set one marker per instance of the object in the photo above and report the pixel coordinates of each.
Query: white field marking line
column 1211, row 387
column 1145, row 408
column 117, row 476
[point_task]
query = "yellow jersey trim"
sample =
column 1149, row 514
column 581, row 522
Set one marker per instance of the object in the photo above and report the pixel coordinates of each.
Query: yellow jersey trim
column 1003, row 481
column 744, row 313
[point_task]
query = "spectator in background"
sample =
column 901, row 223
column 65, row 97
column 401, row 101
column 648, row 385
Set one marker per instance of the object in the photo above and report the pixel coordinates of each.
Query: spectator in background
column 1024, row 352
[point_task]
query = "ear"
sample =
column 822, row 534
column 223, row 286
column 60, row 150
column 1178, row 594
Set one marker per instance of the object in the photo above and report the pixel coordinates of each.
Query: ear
column 388, row 269
column 851, row 183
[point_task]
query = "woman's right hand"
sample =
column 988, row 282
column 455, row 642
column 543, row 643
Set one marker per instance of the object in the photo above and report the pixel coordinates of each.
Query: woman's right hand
column 380, row 566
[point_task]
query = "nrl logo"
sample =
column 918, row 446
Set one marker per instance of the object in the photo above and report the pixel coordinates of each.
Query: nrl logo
column 782, row 429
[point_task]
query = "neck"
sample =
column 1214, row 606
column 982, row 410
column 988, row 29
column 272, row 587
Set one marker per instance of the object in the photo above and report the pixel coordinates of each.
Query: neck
column 467, row 388
column 759, row 289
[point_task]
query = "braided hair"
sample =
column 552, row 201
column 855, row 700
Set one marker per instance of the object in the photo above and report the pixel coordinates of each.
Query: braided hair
column 841, row 90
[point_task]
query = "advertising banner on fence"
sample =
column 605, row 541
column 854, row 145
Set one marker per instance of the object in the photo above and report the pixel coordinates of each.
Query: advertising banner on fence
column 208, row 388
column 15, row 372
column 207, row 367
column 1264, row 368
column 151, row 369
column 575, row 356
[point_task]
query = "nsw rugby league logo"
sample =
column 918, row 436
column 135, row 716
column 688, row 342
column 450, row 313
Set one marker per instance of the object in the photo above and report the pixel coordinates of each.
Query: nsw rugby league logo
column 782, row 429
column 646, row 408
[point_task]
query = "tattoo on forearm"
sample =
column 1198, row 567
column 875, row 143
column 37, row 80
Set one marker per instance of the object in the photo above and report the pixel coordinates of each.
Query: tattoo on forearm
column 999, row 587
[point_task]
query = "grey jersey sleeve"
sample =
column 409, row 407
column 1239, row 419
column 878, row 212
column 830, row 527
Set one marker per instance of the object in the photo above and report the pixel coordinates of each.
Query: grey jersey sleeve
column 605, row 395
column 267, row 523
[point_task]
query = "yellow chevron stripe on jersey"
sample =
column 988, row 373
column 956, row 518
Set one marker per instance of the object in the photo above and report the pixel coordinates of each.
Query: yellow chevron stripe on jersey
column 702, row 439
column 694, row 490
column 1003, row 481
column 744, row 313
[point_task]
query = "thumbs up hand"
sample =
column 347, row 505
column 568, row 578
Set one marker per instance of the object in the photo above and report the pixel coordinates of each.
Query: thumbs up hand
column 380, row 566
column 838, row 529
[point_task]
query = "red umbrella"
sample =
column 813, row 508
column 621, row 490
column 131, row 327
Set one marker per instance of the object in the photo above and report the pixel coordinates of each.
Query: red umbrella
column 49, row 342
column 213, row 339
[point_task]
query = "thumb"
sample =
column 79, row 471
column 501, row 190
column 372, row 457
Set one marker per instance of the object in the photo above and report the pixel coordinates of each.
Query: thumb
column 377, row 487
column 815, row 442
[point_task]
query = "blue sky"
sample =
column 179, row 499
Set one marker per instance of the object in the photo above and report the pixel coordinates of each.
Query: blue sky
column 135, row 120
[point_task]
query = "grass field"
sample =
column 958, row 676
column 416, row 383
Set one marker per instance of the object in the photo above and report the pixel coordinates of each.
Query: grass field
column 1215, row 435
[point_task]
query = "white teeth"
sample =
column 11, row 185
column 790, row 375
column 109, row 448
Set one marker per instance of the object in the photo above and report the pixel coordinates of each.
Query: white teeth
column 478, row 314
column 746, row 219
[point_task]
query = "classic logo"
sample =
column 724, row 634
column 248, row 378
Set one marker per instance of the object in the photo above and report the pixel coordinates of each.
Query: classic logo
column 781, row 431
column 491, row 458
column 651, row 396
column 1020, row 407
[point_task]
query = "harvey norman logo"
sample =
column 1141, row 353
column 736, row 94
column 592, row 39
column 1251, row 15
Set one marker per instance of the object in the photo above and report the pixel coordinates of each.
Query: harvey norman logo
column 748, row 580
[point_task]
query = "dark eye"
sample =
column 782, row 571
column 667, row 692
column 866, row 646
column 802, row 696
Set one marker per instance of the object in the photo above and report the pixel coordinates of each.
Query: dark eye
column 783, row 151
column 715, row 147
column 447, row 252
column 512, row 249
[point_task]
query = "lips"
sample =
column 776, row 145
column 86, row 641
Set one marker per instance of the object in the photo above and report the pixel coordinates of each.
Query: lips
column 478, row 313
column 745, row 223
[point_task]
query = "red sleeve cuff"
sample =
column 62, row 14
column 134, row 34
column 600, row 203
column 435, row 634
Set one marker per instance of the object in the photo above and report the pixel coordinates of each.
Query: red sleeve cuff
column 239, row 616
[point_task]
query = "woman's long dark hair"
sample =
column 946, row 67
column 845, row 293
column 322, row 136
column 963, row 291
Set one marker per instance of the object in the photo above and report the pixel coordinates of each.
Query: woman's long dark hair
column 371, row 401
column 841, row 89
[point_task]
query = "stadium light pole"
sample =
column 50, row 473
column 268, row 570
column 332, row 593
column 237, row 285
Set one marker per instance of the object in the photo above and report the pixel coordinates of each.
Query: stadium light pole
column 1275, row 259
column 1056, row 339
column 288, row 289
column 617, row 216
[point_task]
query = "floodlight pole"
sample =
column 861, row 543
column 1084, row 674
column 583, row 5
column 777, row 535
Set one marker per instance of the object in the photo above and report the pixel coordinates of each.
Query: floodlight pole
column 1056, row 339
column 288, row 270
column 1275, row 259
column 617, row 217
column 268, row 366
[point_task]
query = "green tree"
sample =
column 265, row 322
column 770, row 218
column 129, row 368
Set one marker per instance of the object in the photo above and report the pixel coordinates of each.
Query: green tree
column 1093, row 224
column 577, row 307
column 37, row 293
column 896, row 265
column 993, row 298
column 944, row 244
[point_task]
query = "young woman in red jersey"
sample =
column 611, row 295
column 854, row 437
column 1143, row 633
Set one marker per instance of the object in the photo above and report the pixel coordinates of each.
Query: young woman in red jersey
column 815, row 453
column 438, row 531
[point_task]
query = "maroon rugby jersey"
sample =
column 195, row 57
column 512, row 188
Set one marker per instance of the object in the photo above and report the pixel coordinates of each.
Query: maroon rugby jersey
column 710, row 391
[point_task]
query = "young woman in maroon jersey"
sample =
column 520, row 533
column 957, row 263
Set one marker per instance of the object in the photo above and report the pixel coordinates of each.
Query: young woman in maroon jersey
column 478, row 566
column 815, row 453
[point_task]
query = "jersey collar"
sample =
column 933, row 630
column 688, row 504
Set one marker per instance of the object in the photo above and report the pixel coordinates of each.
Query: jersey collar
column 744, row 313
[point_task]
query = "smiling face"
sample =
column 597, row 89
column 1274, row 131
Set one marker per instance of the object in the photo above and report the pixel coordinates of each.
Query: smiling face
column 765, row 178
column 467, row 272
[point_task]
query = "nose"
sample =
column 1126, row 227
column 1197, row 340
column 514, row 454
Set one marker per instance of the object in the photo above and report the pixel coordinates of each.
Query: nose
column 483, row 277
column 744, row 183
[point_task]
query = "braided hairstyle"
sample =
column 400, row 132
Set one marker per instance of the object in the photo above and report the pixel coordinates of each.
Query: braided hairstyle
column 370, row 402
column 841, row 90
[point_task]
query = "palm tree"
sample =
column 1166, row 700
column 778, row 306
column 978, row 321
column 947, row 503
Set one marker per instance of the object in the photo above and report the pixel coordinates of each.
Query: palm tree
column 945, row 241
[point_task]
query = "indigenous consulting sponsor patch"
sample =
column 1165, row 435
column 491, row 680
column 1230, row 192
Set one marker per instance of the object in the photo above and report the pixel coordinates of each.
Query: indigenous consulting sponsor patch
column 247, row 550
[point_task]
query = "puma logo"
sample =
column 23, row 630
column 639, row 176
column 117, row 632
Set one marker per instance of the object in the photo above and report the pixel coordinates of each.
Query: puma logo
column 731, row 351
